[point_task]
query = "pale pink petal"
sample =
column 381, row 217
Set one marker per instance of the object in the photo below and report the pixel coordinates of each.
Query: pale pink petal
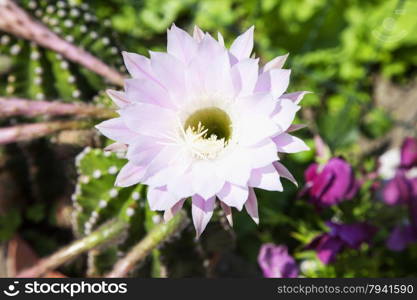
column 295, row 127
column 129, row 175
column 275, row 81
column 263, row 153
column 202, row 211
column 220, row 39
column 170, row 72
column 160, row 199
column 116, row 147
column 289, row 144
column 277, row 63
column 170, row 213
column 285, row 113
column 235, row 168
column 243, row 44
column 259, row 103
column 266, row 178
column 119, row 98
column 245, row 76
column 255, row 128
column 180, row 185
column 233, row 195
column 148, row 119
column 147, row 91
column 251, row 206
column 283, row 172
column 138, row 66
column 204, row 180
column 116, row 129
column 198, row 34
column 295, row 97
column 181, row 44
column 164, row 158
column 227, row 212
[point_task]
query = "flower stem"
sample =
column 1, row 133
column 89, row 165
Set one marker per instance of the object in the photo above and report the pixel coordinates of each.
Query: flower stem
column 156, row 236
column 30, row 131
column 16, row 21
column 15, row 106
column 102, row 235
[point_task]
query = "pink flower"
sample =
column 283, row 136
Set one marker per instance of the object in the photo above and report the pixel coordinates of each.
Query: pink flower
column 331, row 183
column 205, row 122
column 275, row 262
column 409, row 153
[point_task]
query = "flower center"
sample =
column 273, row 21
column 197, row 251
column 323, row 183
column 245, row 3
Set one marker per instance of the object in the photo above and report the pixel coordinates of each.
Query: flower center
column 207, row 131
column 214, row 121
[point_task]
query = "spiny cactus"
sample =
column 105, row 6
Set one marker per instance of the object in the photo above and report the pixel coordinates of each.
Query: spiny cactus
column 39, row 73
column 97, row 201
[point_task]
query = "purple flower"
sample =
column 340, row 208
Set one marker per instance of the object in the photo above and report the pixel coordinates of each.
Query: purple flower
column 409, row 153
column 398, row 190
column 400, row 237
column 275, row 262
column 401, row 190
column 341, row 236
column 331, row 183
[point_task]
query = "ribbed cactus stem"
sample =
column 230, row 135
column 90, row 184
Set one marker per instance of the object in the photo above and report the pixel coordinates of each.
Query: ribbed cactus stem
column 10, row 107
column 16, row 21
column 30, row 131
column 102, row 235
column 153, row 239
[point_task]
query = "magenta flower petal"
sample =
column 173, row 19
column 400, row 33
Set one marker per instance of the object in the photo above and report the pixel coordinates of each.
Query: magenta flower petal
column 206, row 122
column 397, row 190
column 331, row 183
column 275, row 262
column 409, row 153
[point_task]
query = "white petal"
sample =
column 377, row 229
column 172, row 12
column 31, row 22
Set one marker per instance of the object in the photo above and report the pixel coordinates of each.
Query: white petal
column 235, row 168
column 115, row 147
column 220, row 39
column 266, row 178
column 277, row 63
column 198, row 34
column 115, row 129
column 283, row 172
column 295, row 127
column 289, row 144
column 147, row 91
column 148, row 119
column 286, row 111
column 138, row 66
column 129, row 175
column 243, row 44
column 245, row 76
column 233, row 195
column 181, row 44
column 180, row 186
column 254, row 128
column 170, row 213
column 119, row 98
column 251, row 206
column 263, row 154
column 295, row 97
column 202, row 211
column 160, row 199
column 204, row 180
column 170, row 71
column 275, row 81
